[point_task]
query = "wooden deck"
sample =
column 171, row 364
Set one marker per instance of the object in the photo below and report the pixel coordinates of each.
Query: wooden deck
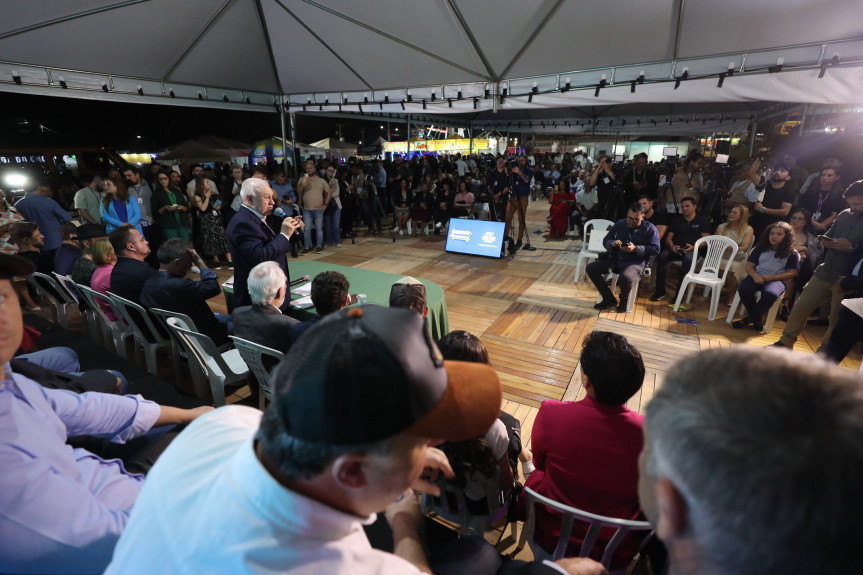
column 533, row 318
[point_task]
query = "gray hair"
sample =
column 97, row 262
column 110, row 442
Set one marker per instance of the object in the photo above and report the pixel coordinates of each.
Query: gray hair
column 264, row 282
column 172, row 249
column 252, row 186
column 300, row 459
column 766, row 448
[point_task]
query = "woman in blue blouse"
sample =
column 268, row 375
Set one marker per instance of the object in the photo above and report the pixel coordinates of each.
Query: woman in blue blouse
column 771, row 264
column 119, row 208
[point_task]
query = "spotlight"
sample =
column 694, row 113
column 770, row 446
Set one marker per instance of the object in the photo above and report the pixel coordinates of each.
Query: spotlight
column 171, row 93
column 320, row 108
column 403, row 104
column 381, row 104
column 140, row 90
column 778, row 67
column 410, row 97
column 365, row 98
column 360, row 106
column 64, row 85
column 327, row 101
column 601, row 85
column 345, row 101
column 632, row 87
column 200, row 95
column 387, row 98
column 487, row 93
column 641, row 77
column 304, row 107
column 16, row 76
column 824, row 65
column 721, row 80
column 533, row 89
column 730, row 69
column 434, row 96
column 424, row 104
column 105, row 88
column 449, row 100
column 460, row 97
column 475, row 103
column 568, row 85
column 224, row 97
column 530, row 97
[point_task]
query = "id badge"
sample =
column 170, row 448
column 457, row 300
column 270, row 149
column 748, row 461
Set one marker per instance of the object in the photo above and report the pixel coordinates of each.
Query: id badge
column 140, row 200
column 605, row 180
column 816, row 216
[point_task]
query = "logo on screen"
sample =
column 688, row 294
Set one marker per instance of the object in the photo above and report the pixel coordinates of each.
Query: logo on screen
column 489, row 238
column 460, row 235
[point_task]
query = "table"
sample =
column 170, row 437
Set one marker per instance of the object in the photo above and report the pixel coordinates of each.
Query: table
column 376, row 285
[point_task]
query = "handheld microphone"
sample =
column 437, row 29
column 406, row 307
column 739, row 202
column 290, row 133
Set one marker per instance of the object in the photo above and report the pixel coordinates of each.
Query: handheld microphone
column 280, row 212
column 299, row 281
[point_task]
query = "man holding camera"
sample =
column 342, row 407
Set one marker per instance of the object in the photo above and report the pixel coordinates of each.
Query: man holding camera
column 631, row 243
column 519, row 200
column 683, row 232
column 602, row 179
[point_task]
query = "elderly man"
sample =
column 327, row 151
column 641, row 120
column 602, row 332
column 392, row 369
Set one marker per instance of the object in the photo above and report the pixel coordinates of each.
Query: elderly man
column 751, row 464
column 290, row 489
column 262, row 322
column 63, row 509
column 409, row 293
column 251, row 241
column 171, row 290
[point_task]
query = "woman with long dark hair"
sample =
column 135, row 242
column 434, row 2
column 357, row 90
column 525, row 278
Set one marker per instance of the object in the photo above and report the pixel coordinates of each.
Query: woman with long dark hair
column 811, row 252
column 170, row 207
column 771, row 264
column 562, row 202
column 118, row 208
column 402, row 199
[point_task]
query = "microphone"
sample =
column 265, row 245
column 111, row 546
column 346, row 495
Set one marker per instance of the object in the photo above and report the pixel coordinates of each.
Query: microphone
column 299, row 281
column 280, row 212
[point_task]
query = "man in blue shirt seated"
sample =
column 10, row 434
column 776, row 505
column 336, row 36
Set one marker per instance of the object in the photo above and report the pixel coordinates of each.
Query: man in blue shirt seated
column 171, row 290
column 62, row 509
column 631, row 243
column 329, row 294
column 69, row 250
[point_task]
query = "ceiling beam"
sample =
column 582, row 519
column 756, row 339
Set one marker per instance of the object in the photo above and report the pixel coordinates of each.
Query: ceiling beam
column 194, row 42
column 473, row 41
column 69, row 17
column 532, row 37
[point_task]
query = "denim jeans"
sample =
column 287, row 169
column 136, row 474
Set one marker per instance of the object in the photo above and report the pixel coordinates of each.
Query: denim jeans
column 332, row 221
column 313, row 219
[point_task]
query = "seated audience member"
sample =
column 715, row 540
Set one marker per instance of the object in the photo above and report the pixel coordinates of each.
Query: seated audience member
column 771, row 264
column 586, row 452
column 171, row 290
column 562, row 203
column 683, row 231
column 329, row 294
column 290, row 489
column 849, row 325
column 83, row 267
column 263, row 322
column 811, row 253
column 651, row 215
column 463, row 202
column 30, row 240
column 131, row 271
column 740, row 446
column 58, row 368
column 409, row 293
column 63, row 509
column 738, row 229
column 105, row 259
column 402, row 200
column 631, row 244
column 69, row 250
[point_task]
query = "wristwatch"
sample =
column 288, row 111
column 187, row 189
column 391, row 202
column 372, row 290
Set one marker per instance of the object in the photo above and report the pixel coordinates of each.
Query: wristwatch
column 851, row 248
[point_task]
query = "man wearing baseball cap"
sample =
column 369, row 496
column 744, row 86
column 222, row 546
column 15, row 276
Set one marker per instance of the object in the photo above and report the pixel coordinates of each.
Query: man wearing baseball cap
column 62, row 509
column 360, row 401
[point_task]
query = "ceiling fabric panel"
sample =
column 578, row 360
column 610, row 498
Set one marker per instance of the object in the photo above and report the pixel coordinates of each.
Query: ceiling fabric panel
column 18, row 14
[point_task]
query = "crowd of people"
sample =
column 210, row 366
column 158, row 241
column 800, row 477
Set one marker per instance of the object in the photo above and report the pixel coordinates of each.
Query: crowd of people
column 368, row 410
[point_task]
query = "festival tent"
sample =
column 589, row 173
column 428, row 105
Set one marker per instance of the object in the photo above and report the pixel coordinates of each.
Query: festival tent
column 191, row 151
column 439, row 57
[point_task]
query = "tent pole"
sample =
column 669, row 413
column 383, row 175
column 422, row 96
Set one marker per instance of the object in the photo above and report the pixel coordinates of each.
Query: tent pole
column 470, row 152
column 803, row 118
column 409, row 136
column 752, row 135
column 294, row 142
column 284, row 133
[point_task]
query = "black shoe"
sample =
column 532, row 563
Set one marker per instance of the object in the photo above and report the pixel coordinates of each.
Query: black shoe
column 738, row 324
column 528, row 248
column 779, row 344
column 621, row 307
column 606, row 304
column 518, row 244
column 758, row 326
column 658, row 296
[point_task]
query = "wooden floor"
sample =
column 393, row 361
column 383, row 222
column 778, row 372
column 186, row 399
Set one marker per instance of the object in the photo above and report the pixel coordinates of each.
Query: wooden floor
column 533, row 318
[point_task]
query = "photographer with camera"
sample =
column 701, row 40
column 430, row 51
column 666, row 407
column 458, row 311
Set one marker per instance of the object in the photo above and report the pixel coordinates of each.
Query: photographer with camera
column 499, row 186
column 602, row 179
column 521, row 177
column 631, row 243
column 682, row 234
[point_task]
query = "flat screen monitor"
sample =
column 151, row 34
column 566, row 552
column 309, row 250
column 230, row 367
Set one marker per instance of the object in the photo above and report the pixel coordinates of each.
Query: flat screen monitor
column 721, row 158
column 618, row 158
column 669, row 151
column 475, row 237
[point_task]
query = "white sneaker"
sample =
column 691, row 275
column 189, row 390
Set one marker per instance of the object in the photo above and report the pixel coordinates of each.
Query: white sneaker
column 401, row 232
column 395, row 229
column 438, row 225
column 196, row 269
column 217, row 268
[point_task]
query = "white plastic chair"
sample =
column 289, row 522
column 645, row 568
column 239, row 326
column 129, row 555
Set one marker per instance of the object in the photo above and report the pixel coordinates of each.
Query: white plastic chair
column 221, row 369
column 771, row 313
column 570, row 514
column 116, row 331
column 88, row 316
column 146, row 333
column 253, row 354
column 178, row 348
column 452, row 505
column 53, row 294
column 590, row 251
column 709, row 273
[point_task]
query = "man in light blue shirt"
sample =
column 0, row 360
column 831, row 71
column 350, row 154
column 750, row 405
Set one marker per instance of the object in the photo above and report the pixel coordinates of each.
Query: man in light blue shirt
column 39, row 207
column 62, row 509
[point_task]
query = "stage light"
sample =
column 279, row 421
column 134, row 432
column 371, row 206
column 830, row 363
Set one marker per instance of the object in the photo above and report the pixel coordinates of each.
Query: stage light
column 200, row 95
column 424, row 104
column 105, row 88
column 140, row 90
column 475, row 103
column 224, row 97
column 568, row 85
column 16, row 77
column 778, row 67
column 721, row 80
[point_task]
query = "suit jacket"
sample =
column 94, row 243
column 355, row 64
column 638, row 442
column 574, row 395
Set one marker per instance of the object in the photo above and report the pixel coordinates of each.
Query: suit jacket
column 174, row 293
column 251, row 242
column 128, row 277
column 851, row 281
column 265, row 325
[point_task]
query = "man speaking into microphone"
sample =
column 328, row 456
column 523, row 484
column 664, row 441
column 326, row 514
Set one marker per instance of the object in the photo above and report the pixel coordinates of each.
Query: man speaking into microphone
column 252, row 242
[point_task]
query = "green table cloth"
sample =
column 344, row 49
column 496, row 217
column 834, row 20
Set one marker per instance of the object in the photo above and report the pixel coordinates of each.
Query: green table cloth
column 376, row 285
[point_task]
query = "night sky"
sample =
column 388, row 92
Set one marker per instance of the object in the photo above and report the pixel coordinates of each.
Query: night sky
column 72, row 122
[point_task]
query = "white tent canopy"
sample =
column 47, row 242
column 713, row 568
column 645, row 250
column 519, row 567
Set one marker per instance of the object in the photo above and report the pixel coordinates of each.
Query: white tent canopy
column 439, row 56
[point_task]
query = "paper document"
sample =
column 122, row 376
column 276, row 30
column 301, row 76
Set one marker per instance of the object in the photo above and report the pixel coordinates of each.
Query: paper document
column 855, row 305
column 303, row 290
column 302, row 303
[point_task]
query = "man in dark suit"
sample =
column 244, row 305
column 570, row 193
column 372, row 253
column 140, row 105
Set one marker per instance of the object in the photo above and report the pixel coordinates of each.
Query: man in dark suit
column 131, row 271
column 262, row 322
column 849, row 326
column 170, row 289
column 251, row 241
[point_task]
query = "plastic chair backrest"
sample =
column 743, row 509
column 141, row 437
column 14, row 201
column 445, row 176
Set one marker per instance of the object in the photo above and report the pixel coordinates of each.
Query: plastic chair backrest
column 454, row 503
column 597, row 225
column 68, row 284
column 48, row 288
column 711, row 262
column 252, row 353
column 93, row 298
column 596, row 523
column 202, row 347
column 139, row 320
column 162, row 316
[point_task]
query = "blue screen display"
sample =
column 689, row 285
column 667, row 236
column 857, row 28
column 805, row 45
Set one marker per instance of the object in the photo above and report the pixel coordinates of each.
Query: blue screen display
column 475, row 237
